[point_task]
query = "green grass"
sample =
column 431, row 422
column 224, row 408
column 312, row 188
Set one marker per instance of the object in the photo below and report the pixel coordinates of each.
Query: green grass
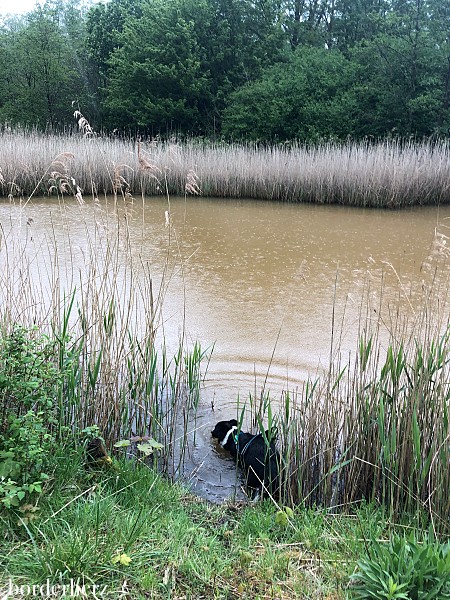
column 179, row 545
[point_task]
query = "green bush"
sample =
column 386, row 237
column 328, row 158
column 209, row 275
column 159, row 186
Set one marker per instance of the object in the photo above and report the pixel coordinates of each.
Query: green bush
column 404, row 569
column 29, row 384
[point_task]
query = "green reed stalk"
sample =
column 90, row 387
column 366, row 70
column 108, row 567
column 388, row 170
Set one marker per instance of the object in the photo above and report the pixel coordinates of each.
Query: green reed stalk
column 376, row 428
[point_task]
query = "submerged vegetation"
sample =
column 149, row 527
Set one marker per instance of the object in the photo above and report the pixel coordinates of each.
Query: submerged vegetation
column 389, row 174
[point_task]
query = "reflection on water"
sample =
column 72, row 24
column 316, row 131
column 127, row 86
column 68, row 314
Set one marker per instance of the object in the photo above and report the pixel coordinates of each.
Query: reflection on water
column 255, row 279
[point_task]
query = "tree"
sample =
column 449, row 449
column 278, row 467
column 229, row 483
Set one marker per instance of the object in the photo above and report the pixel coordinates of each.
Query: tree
column 307, row 22
column 307, row 98
column 155, row 80
column 229, row 41
column 269, row 69
column 357, row 20
column 41, row 76
column 439, row 17
column 403, row 73
column 104, row 27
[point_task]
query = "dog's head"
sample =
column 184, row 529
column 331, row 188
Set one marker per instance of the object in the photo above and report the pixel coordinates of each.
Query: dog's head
column 224, row 430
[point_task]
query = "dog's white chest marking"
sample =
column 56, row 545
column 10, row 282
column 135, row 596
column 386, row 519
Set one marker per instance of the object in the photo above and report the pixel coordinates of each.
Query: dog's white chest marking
column 223, row 443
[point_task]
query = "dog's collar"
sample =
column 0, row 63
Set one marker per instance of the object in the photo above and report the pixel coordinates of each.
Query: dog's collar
column 224, row 442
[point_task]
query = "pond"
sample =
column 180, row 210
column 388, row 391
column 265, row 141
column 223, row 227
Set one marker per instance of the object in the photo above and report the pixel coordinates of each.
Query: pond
column 259, row 281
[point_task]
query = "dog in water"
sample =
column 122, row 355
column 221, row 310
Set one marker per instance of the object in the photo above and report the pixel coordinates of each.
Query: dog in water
column 255, row 454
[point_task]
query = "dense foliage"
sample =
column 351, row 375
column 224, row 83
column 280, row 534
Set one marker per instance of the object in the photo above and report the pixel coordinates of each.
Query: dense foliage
column 262, row 69
column 404, row 568
column 29, row 382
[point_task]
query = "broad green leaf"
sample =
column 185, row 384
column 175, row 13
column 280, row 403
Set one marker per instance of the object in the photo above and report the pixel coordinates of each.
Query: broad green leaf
column 281, row 518
column 154, row 444
column 122, row 559
column 146, row 448
column 122, row 444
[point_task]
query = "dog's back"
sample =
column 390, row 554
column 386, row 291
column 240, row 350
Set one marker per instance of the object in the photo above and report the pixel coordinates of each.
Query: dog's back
column 260, row 462
column 257, row 456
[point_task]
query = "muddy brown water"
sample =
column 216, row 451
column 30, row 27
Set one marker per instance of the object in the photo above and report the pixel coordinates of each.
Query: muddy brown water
column 257, row 280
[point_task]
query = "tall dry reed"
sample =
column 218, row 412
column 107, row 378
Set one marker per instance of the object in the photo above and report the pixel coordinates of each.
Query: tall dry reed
column 389, row 174
column 375, row 426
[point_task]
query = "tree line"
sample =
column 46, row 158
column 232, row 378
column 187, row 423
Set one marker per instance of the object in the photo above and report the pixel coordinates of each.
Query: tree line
column 265, row 70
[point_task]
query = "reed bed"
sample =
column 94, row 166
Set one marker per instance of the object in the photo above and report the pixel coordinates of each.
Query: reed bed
column 375, row 426
column 388, row 174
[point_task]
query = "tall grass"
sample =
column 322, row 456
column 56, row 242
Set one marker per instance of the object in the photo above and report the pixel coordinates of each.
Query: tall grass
column 375, row 425
column 389, row 174
column 95, row 297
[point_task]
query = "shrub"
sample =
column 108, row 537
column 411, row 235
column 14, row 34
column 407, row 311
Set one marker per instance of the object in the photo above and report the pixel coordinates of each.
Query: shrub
column 404, row 569
column 29, row 383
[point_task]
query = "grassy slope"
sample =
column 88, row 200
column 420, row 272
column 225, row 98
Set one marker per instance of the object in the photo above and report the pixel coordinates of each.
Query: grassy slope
column 180, row 546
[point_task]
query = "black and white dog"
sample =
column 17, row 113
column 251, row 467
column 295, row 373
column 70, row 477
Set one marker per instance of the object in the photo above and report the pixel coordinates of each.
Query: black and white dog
column 259, row 460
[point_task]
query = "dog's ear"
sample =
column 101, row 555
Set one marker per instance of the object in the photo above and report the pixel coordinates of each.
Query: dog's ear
column 233, row 423
column 272, row 434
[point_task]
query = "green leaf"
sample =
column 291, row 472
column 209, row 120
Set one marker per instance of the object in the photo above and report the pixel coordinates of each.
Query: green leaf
column 154, row 444
column 146, row 448
column 122, row 444
column 281, row 518
column 245, row 558
column 122, row 559
column 9, row 468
